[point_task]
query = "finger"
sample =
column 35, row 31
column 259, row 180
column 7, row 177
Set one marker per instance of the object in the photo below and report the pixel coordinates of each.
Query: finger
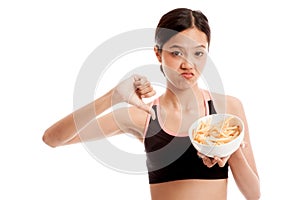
column 205, row 158
column 209, row 162
column 144, row 90
column 200, row 155
column 152, row 113
column 141, row 84
column 213, row 161
column 140, row 79
column 221, row 164
column 137, row 77
column 149, row 94
column 141, row 105
column 222, row 161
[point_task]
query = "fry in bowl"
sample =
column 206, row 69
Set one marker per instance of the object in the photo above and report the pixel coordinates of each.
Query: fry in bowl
column 217, row 134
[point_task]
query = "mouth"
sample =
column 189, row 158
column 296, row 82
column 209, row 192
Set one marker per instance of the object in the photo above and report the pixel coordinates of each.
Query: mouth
column 187, row 75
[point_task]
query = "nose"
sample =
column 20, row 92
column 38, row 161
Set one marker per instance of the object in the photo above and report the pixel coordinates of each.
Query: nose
column 186, row 64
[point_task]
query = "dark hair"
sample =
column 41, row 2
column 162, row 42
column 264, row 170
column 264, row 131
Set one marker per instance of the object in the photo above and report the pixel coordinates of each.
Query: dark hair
column 178, row 20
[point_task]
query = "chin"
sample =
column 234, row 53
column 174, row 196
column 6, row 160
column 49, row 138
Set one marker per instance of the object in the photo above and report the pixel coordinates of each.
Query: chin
column 184, row 85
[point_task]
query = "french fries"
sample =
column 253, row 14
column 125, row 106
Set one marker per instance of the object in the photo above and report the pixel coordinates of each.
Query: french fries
column 216, row 134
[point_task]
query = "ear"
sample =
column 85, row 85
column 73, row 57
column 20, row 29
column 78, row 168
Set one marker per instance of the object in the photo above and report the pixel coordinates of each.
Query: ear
column 157, row 53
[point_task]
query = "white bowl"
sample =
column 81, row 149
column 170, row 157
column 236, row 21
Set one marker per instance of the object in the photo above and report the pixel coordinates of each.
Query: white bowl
column 220, row 150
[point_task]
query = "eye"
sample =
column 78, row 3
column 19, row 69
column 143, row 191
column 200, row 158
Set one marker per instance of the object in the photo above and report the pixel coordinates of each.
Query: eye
column 176, row 53
column 199, row 53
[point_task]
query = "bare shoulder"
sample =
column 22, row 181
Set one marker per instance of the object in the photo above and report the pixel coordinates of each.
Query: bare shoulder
column 227, row 104
column 234, row 105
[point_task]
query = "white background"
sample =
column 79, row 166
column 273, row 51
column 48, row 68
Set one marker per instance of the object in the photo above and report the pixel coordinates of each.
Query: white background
column 44, row 44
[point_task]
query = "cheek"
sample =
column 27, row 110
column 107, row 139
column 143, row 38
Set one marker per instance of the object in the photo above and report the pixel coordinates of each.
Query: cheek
column 169, row 68
column 171, row 75
column 169, row 72
column 171, row 62
column 199, row 67
column 200, row 64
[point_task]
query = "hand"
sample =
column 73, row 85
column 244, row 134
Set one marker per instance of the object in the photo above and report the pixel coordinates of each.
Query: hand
column 210, row 162
column 132, row 90
column 143, row 87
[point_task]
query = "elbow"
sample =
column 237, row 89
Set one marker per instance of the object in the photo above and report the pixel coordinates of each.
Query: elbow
column 47, row 139
column 255, row 195
column 258, row 195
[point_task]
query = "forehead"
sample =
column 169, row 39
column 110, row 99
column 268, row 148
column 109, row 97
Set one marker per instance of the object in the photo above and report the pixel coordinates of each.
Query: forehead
column 189, row 38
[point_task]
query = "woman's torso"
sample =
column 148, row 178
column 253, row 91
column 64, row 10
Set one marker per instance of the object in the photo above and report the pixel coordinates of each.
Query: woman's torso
column 173, row 173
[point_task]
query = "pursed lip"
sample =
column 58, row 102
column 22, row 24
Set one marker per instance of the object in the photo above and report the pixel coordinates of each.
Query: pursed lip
column 187, row 75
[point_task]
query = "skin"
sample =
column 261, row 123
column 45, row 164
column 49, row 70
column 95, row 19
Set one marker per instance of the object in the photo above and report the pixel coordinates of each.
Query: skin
column 182, row 60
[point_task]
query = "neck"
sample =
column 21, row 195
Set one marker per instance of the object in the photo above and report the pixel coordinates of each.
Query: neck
column 180, row 108
column 183, row 99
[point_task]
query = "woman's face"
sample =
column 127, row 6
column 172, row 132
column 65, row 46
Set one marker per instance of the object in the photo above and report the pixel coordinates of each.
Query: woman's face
column 183, row 57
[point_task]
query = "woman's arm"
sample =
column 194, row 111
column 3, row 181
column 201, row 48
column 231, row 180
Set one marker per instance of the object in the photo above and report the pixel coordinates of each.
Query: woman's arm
column 241, row 162
column 83, row 121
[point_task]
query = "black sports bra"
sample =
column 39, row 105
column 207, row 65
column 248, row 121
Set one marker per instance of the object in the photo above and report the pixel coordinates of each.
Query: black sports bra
column 171, row 158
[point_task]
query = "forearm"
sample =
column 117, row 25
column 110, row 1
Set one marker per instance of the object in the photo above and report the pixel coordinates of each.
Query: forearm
column 245, row 177
column 66, row 129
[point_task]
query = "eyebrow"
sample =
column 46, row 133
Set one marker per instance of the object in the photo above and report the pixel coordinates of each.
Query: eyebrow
column 180, row 47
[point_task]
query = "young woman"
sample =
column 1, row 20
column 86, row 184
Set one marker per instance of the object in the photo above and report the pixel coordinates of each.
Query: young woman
column 176, row 170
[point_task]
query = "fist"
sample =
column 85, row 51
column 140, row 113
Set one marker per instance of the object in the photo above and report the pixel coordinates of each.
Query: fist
column 132, row 90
